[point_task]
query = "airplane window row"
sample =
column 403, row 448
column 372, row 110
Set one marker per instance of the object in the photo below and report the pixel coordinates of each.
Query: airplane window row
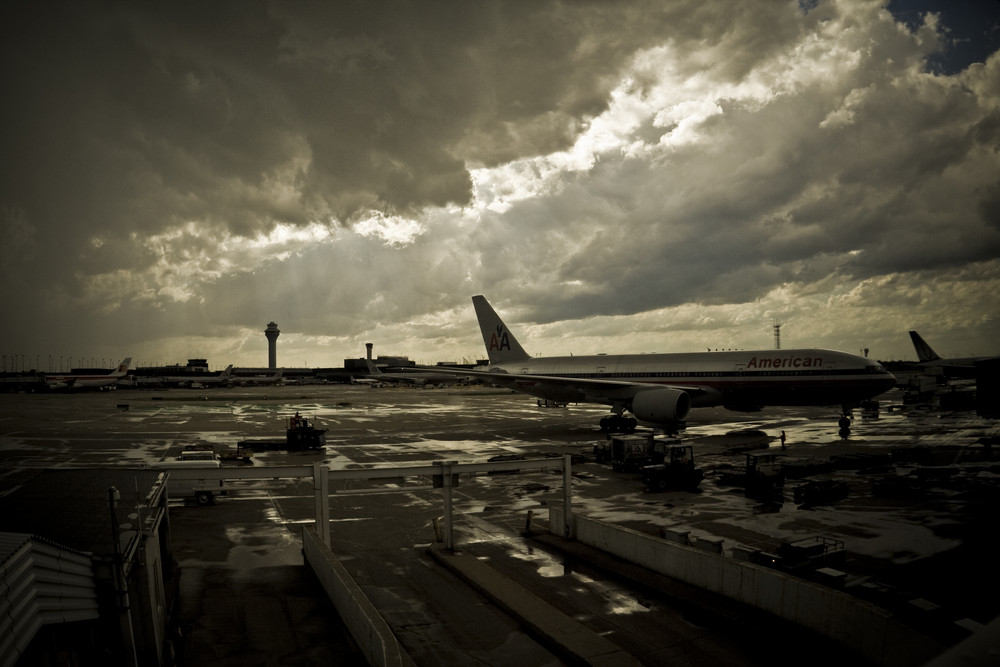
column 719, row 374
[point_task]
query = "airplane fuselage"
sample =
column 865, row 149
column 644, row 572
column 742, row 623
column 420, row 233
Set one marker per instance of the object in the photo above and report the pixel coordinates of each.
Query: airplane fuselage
column 70, row 381
column 182, row 381
column 88, row 380
column 740, row 380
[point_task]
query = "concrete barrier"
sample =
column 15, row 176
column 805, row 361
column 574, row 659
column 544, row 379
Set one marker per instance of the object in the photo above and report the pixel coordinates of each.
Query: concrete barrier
column 367, row 627
column 862, row 627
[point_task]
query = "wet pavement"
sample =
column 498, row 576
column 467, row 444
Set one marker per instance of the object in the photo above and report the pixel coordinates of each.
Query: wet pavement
column 244, row 596
column 243, row 587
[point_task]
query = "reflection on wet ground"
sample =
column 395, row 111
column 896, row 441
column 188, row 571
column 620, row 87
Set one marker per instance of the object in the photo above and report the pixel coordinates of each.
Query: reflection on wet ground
column 935, row 545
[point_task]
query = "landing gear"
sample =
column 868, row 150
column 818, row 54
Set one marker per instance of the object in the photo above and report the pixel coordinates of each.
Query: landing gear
column 846, row 418
column 618, row 424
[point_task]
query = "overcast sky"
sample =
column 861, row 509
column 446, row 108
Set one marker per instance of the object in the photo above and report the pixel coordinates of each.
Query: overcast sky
column 614, row 176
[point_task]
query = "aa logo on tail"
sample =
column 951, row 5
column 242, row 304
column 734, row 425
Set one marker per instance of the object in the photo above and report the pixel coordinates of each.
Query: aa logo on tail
column 499, row 340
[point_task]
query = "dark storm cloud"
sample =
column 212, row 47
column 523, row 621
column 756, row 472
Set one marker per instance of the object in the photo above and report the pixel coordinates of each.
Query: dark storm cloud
column 200, row 169
column 128, row 119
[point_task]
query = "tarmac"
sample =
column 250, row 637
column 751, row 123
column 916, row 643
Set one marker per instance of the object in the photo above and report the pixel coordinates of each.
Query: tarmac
column 243, row 595
column 579, row 644
column 561, row 633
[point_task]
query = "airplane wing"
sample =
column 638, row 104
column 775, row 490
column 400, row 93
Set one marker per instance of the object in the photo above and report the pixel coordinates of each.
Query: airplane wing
column 590, row 390
column 656, row 403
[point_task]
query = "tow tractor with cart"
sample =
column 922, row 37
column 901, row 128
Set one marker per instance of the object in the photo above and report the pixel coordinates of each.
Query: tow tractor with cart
column 300, row 434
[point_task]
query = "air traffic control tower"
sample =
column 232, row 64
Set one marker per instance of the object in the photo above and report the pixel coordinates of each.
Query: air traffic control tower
column 272, row 334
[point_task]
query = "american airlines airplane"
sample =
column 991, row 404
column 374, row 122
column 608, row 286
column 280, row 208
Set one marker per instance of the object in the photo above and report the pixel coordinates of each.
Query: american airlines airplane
column 662, row 388
column 88, row 381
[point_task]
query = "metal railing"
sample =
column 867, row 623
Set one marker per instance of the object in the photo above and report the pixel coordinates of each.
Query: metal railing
column 442, row 472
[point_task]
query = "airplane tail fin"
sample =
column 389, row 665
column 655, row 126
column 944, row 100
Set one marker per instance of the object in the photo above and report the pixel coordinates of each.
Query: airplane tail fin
column 924, row 351
column 372, row 368
column 226, row 373
column 501, row 346
column 123, row 367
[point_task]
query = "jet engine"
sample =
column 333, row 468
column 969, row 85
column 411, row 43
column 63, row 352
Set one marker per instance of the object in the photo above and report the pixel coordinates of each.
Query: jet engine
column 661, row 406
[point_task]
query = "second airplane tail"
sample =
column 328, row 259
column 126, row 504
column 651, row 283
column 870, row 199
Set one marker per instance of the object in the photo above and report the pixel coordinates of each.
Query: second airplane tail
column 501, row 346
column 924, row 351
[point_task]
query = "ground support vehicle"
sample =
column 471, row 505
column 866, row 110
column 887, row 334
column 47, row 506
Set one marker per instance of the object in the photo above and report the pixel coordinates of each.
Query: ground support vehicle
column 762, row 478
column 184, row 480
column 629, row 453
column 298, row 436
column 207, row 453
column 811, row 552
column 676, row 472
column 239, row 455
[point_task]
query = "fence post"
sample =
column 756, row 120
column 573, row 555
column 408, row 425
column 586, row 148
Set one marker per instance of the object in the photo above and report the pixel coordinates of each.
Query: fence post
column 568, row 522
column 321, row 493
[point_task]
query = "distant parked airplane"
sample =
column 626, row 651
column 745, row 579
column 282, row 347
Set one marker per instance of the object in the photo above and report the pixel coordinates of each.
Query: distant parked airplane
column 217, row 380
column 88, row 380
column 188, row 380
column 416, row 376
column 258, row 381
column 662, row 388
column 933, row 364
